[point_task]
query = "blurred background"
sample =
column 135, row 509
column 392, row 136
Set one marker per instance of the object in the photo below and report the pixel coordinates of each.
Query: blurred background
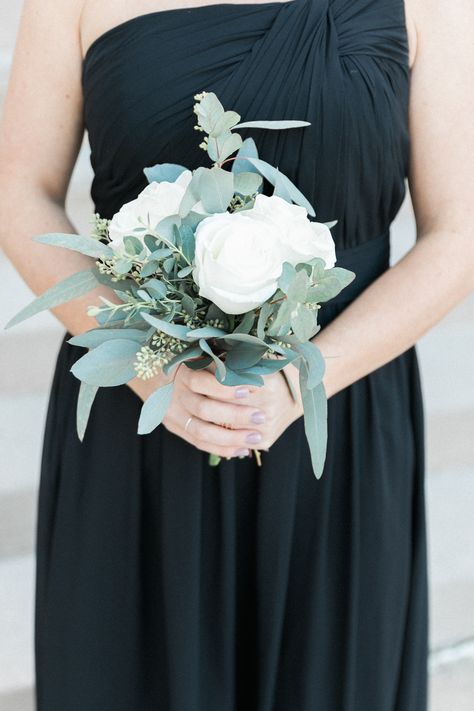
column 27, row 357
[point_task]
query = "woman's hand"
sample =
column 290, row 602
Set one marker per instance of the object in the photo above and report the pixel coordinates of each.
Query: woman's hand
column 201, row 405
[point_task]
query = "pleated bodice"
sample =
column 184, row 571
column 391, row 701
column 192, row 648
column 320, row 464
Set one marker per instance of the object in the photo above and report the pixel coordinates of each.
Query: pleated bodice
column 340, row 64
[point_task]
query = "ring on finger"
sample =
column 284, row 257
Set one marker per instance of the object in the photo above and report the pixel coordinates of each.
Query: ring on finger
column 188, row 422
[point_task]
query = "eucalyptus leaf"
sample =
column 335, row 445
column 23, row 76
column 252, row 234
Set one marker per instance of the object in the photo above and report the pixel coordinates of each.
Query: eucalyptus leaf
column 96, row 336
column 209, row 110
column 298, row 287
column 149, row 268
column 344, row 276
column 217, row 189
column 171, row 329
column 303, row 323
column 220, row 367
column 150, row 242
column 280, row 325
column 160, row 253
column 66, row 290
column 288, row 273
column 276, row 125
column 133, row 246
column 246, row 325
column 192, row 193
column 168, row 264
column 123, row 266
column 154, row 409
column 188, row 354
column 315, row 419
column 109, row 364
column 267, row 366
column 158, row 288
column 188, row 304
column 166, row 228
column 315, row 363
column 265, row 311
column 281, row 187
column 248, row 150
column 226, row 121
column 161, row 172
column 205, row 332
column 85, row 245
column 229, row 145
column 188, row 242
column 245, row 338
column 233, row 378
column 199, row 363
column 85, row 401
column 244, row 355
column 247, row 183
column 270, row 173
column 325, row 290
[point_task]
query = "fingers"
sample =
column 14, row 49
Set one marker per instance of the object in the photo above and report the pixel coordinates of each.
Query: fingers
column 220, row 412
column 206, row 383
column 227, row 443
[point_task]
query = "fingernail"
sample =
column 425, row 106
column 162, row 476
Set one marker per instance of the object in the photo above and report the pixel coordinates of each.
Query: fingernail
column 258, row 417
column 242, row 392
column 254, row 438
column 241, row 453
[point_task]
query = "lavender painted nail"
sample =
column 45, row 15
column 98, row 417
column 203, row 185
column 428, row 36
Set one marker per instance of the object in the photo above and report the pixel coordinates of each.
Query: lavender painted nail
column 242, row 392
column 241, row 453
column 258, row 417
column 254, row 438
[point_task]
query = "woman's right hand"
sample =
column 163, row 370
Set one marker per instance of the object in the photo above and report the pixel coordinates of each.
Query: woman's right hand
column 200, row 404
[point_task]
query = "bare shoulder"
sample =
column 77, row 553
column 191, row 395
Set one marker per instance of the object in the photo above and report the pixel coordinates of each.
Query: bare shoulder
column 431, row 21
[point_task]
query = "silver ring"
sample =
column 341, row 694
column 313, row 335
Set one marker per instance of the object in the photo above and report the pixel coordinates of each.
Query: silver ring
column 188, row 422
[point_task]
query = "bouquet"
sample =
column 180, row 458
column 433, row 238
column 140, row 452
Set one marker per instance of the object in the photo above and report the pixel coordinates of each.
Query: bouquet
column 208, row 272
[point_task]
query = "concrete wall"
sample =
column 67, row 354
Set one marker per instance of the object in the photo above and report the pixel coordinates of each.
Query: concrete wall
column 448, row 383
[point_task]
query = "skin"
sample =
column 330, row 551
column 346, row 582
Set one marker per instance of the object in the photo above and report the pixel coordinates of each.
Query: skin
column 40, row 136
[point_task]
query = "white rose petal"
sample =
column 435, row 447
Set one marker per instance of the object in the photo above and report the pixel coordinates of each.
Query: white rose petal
column 238, row 260
column 302, row 239
column 156, row 202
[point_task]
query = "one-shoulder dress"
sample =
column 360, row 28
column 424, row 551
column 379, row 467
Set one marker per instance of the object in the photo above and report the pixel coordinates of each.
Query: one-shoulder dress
column 164, row 584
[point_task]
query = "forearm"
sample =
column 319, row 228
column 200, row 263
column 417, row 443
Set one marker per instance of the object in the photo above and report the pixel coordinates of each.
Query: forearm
column 41, row 266
column 397, row 308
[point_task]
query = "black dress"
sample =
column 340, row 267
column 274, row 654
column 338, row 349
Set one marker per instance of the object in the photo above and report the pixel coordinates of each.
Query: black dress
column 167, row 585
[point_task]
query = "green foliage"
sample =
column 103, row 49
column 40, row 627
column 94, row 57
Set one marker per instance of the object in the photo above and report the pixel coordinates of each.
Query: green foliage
column 96, row 336
column 77, row 243
column 111, row 363
column 154, row 409
column 168, row 172
column 66, row 290
column 85, row 401
column 216, row 189
column 315, row 419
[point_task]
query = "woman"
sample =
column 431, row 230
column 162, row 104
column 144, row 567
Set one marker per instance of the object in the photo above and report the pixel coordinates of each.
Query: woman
column 164, row 583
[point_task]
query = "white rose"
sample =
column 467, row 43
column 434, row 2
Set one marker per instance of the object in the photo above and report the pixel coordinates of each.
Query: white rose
column 302, row 239
column 238, row 260
column 154, row 203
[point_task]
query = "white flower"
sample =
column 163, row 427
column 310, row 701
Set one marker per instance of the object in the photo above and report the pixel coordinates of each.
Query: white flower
column 238, row 260
column 154, row 203
column 302, row 239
